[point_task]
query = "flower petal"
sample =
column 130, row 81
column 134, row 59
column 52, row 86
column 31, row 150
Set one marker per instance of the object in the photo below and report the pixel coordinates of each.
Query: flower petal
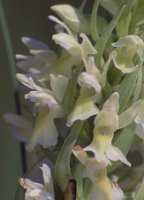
column 28, row 82
column 130, row 40
column 48, row 183
column 72, row 17
column 60, row 23
column 84, row 108
column 129, row 115
column 127, row 48
column 114, row 153
column 86, row 45
column 89, row 81
column 31, row 43
column 35, row 190
column 123, row 62
column 68, row 42
column 42, row 98
column 45, row 132
column 112, row 104
column 117, row 193
column 92, row 69
column 21, row 127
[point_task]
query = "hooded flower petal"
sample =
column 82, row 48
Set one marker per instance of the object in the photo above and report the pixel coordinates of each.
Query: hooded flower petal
column 73, row 17
column 92, row 76
column 28, row 82
column 124, row 61
column 87, row 80
column 128, row 48
column 107, row 121
column 67, row 42
column 42, row 98
column 84, row 108
column 92, row 69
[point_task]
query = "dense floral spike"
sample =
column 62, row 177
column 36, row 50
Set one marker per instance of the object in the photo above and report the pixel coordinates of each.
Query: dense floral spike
column 95, row 85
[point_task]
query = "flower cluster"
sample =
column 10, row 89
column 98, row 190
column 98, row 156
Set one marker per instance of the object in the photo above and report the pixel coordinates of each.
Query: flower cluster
column 87, row 101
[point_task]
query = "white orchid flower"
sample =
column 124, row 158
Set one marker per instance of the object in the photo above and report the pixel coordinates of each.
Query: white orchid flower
column 75, row 49
column 37, row 191
column 106, row 123
column 45, row 132
column 128, row 48
column 85, row 105
column 102, row 188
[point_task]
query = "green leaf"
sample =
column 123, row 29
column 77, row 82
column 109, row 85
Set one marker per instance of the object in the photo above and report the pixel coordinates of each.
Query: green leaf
column 124, row 22
column 123, row 142
column 138, row 85
column 140, row 193
column 137, row 17
column 78, row 176
column 69, row 98
column 93, row 21
column 111, row 6
column 101, row 43
column 62, row 166
column 126, row 88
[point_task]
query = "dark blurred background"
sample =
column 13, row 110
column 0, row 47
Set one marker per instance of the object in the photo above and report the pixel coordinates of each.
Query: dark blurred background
column 24, row 18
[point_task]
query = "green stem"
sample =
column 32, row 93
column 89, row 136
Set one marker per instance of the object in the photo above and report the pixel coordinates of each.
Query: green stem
column 8, row 45
column 82, row 5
